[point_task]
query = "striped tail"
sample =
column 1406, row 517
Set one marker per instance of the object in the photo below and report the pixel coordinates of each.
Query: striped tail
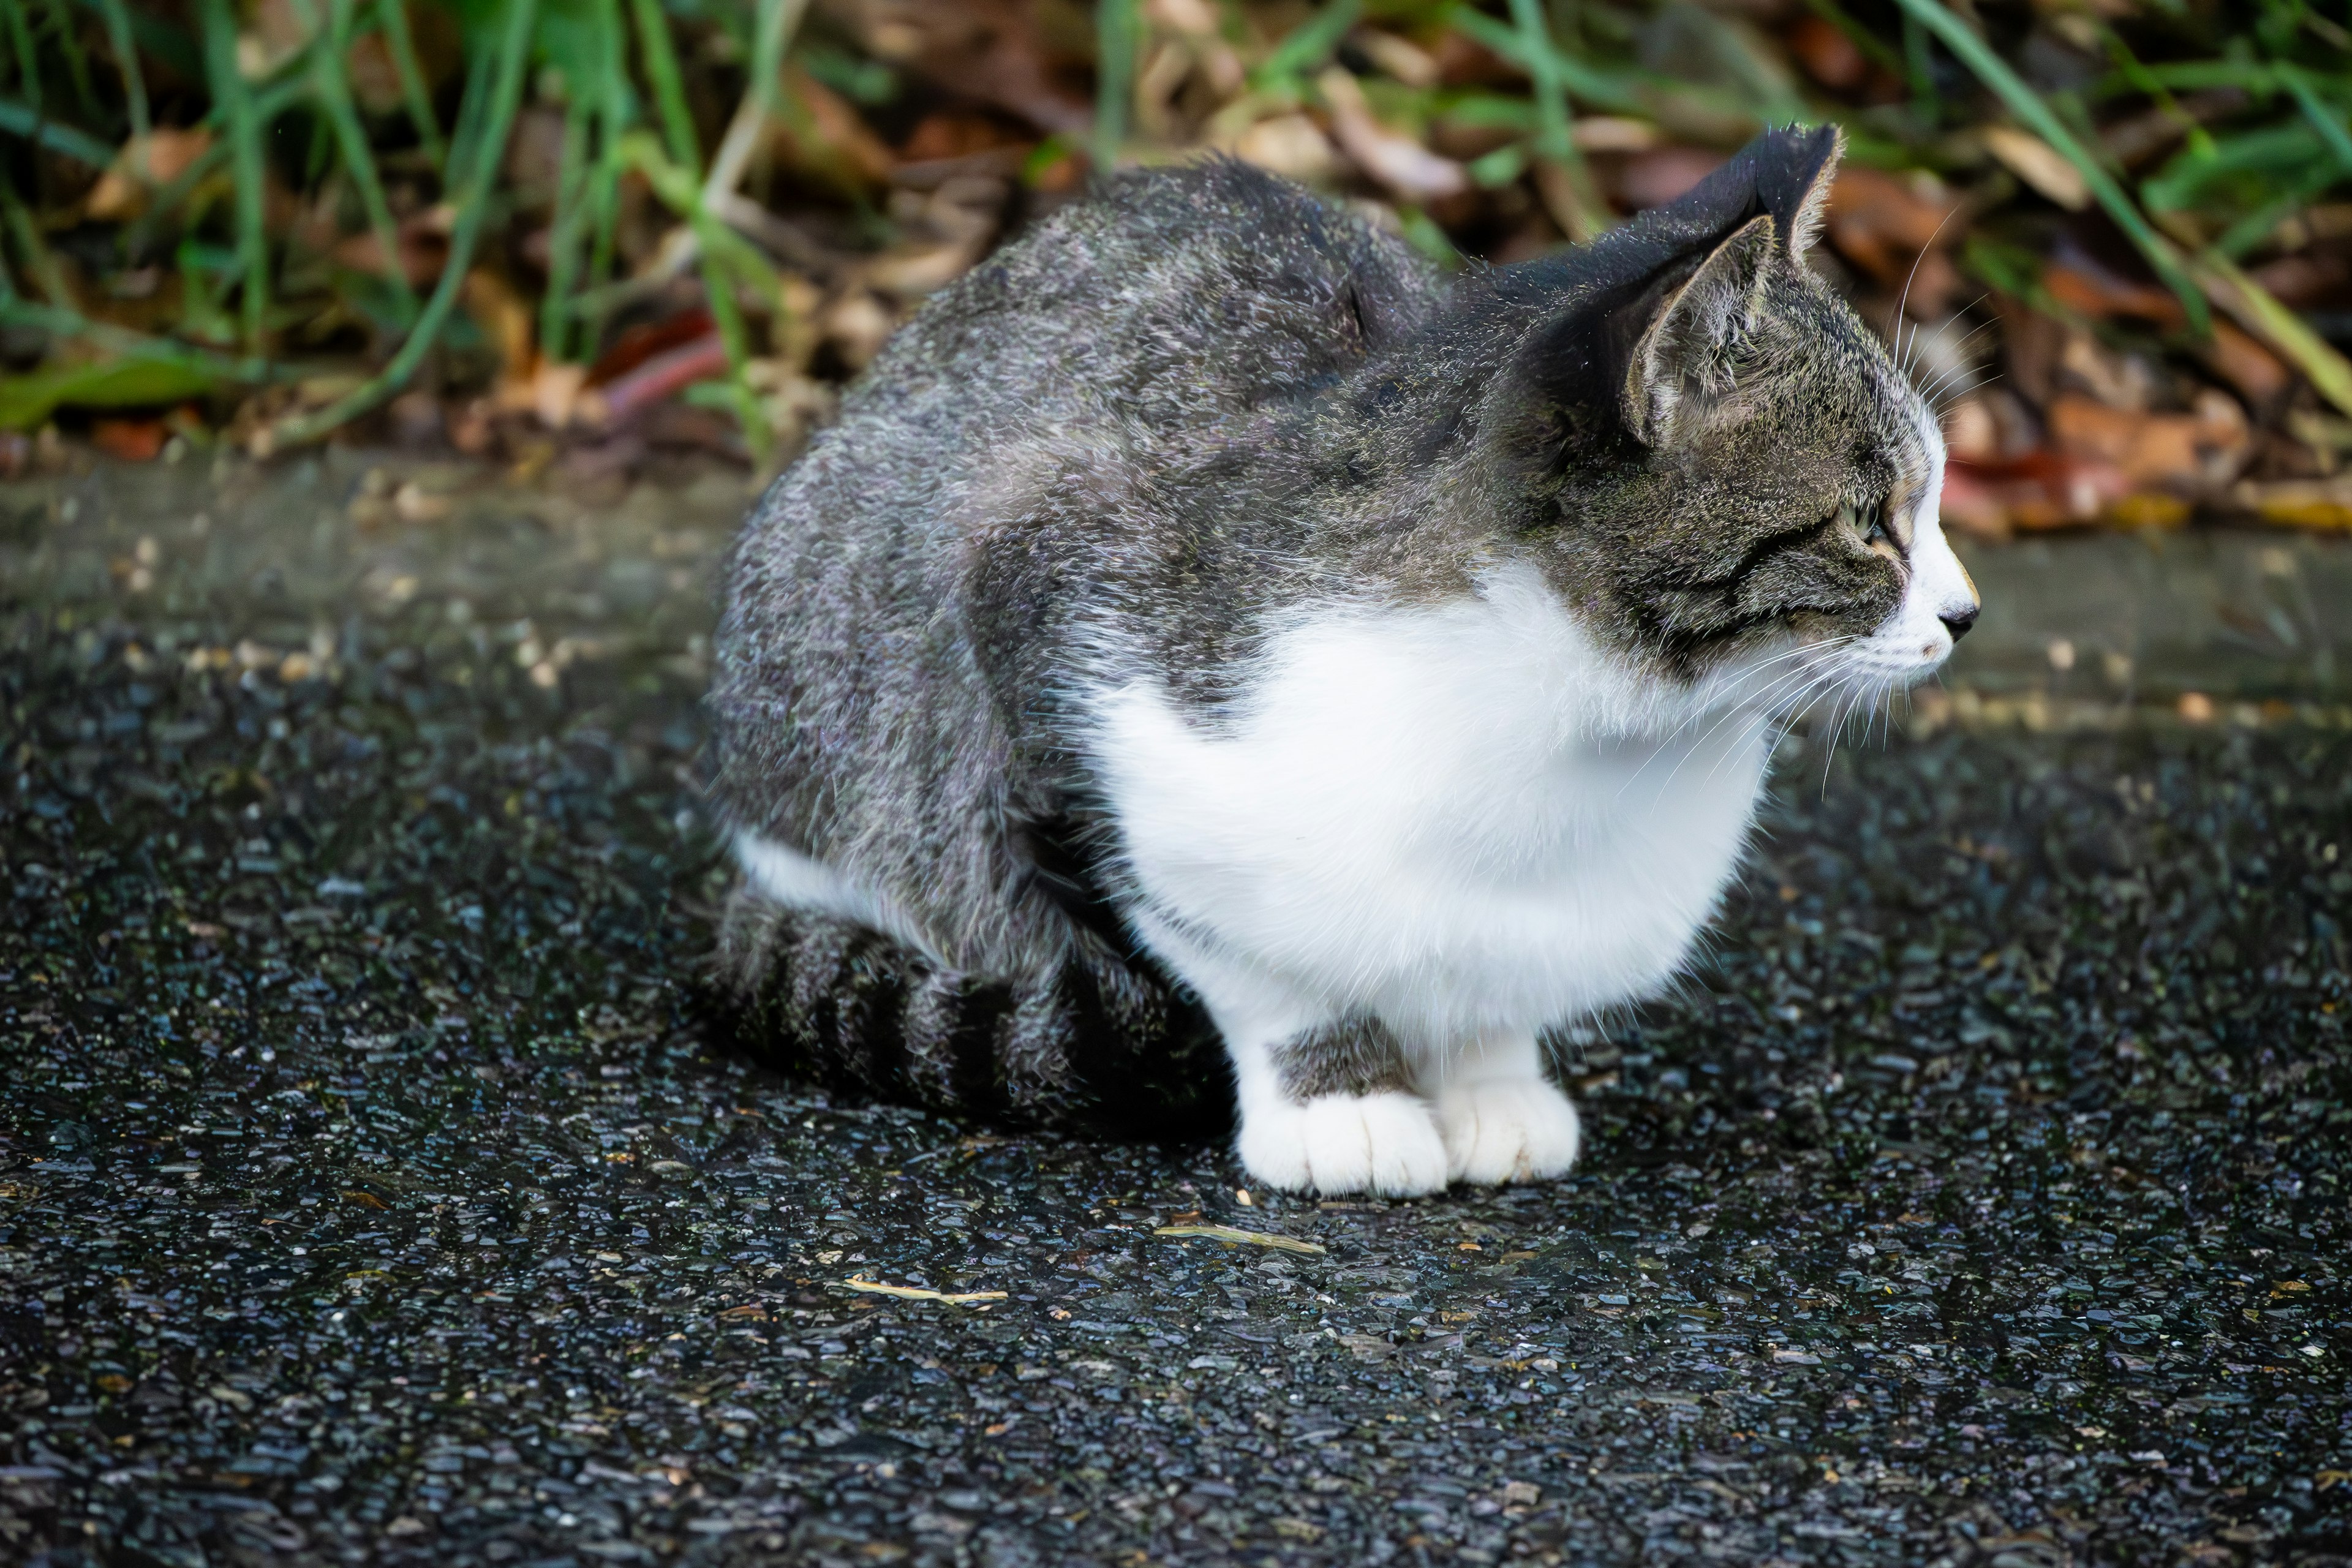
column 1106, row 1043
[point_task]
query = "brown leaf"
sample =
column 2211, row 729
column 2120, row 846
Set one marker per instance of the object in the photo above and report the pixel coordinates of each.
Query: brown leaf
column 1406, row 167
column 642, row 342
column 1828, row 55
column 2039, row 165
column 1654, row 178
column 821, row 134
column 957, row 134
column 143, row 164
column 131, row 440
column 2165, row 450
column 655, row 380
column 1896, row 229
column 2083, row 285
column 424, row 248
column 2258, row 375
column 992, row 51
column 504, row 318
column 1291, row 145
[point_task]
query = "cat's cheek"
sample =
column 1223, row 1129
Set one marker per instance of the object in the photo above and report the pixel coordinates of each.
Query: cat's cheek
column 1915, row 640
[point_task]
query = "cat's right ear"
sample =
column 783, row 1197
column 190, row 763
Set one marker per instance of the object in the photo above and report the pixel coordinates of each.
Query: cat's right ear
column 1685, row 353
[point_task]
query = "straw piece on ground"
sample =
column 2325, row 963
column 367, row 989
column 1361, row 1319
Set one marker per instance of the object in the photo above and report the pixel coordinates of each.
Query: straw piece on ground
column 1248, row 1237
column 917, row 1293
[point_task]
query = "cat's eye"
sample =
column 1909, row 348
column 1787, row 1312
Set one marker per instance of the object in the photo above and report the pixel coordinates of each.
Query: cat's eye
column 1868, row 522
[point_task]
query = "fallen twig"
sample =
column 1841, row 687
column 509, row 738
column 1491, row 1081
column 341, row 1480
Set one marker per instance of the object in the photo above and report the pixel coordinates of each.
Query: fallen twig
column 1250, row 1238
column 917, row 1293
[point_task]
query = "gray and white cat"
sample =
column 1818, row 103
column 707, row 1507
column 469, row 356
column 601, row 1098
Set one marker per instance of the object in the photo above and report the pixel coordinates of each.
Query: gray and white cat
column 1208, row 626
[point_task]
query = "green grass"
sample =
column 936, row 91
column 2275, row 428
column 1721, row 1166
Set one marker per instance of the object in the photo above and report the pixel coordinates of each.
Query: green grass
column 633, row 84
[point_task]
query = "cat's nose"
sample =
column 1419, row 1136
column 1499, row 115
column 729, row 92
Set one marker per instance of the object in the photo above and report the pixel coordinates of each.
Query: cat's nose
column 1957, row 622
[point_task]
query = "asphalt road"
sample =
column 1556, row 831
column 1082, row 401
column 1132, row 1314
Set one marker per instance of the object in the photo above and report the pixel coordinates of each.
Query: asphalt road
column 368, row 1195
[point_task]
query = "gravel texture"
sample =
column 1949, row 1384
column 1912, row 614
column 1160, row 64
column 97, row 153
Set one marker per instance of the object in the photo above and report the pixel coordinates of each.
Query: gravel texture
column 367, row 1192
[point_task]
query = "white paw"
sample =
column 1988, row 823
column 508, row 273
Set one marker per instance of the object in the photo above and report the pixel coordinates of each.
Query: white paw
column 1515, row 1131
column 1383, row 1144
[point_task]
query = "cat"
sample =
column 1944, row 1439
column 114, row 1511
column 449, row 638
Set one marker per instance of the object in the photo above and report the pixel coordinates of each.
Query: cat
column 1212, row 630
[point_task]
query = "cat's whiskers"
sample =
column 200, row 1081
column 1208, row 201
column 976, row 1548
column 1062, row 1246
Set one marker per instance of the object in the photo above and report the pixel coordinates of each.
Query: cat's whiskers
column 1725, row 707
column 1927, row 390
column 1775, row 714
column 1904, row 300
column 1959, row 377
column 1849, row 690
column 1762, row 711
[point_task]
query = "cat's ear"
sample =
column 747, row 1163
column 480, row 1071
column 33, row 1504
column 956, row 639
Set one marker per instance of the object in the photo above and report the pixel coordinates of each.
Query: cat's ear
column 1814, row 171
column 1684, row 352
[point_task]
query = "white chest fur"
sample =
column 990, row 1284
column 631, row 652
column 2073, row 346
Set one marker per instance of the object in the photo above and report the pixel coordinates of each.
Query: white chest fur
column 1463, row 819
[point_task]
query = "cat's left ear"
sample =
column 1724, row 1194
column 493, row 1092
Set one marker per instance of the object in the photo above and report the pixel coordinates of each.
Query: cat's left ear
column 1684, row 353
column 1811, row 170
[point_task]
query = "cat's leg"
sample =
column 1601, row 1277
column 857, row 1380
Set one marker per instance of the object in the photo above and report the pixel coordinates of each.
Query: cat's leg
column 1331, row 1109
column 1327, row 1104
column 1500, row 1118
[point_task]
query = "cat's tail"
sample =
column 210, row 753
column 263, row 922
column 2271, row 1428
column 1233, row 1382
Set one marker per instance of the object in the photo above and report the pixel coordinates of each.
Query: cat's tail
column 1103, row 1041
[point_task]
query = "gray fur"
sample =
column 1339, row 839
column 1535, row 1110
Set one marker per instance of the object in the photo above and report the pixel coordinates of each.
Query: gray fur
column 1168, row 415
column 1353, row 1056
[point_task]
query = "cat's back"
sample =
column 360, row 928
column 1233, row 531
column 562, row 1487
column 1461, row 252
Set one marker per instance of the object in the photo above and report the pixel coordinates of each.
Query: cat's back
column 1171, row 298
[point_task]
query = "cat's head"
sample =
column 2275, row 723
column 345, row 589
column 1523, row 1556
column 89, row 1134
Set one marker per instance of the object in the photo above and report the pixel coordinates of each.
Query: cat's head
column 1726, row 469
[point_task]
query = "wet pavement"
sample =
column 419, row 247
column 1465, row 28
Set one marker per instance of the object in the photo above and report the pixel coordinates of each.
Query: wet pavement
column 367, row 1192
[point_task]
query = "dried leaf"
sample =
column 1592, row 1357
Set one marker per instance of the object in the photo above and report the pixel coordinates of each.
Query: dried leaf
column 2039, row 165
column 1291, row 145
column 145, row 163
column 1405, row 166
column 2202, row 448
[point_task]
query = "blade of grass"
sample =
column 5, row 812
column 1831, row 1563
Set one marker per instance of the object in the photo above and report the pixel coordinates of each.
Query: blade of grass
column 126, row 60
column 777, row 21
column 685, row 160
column 2330, row 128
column 2260, row 313
column 2134, row 72
column 332, row 91
column 2258, row 226
column 1305, row 49
column 121, row 341
column 1580, row 79
column 669, row 85
column 231, row 91
column 28, row 60
column 1919, row 72
column 267, row 105
column 563, row 236
column 2023, row 102
column 507, row 65
column 615, row 113
column 723, row 253
column 392, row 16
column 20, row 119
column 41, row 263
column 164, row 39
column 1117, row 38
column 1555, row 140
column 471, row 107
column 61, row 19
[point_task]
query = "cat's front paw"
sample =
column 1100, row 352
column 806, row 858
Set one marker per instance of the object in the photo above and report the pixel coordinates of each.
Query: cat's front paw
column 1514, row 1130
column 1383, row 1144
